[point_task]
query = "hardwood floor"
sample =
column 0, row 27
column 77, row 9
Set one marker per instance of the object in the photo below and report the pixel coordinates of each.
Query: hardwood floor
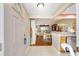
column 41, row 42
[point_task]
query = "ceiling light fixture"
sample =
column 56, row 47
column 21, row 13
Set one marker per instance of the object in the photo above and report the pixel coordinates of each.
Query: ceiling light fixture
column 40, row 5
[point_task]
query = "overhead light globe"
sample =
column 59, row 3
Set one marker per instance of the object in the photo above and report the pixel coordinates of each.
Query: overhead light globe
column 40, row 5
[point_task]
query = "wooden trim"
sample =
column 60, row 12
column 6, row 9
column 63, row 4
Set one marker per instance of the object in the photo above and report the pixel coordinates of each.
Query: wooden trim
column 77, row 49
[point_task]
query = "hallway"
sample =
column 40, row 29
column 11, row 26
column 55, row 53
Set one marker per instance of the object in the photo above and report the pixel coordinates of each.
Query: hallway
column 43, row 28
column 43, row 51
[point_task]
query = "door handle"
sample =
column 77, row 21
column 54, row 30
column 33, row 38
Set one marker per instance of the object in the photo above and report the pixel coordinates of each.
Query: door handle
column 25, row 41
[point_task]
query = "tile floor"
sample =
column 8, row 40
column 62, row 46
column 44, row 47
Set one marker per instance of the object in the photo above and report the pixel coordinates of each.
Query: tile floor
column 44, row 51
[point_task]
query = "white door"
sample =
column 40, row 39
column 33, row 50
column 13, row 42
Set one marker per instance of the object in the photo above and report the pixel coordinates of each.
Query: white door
column 19, row 37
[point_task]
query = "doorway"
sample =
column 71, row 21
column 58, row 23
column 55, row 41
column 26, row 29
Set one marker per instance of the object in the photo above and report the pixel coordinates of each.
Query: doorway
column 40, row 33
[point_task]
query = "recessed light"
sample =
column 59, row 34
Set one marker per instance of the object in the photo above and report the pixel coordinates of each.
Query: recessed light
column 40, row 5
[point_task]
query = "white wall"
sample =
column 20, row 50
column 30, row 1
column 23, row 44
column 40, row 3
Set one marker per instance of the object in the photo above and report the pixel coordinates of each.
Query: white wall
column 45, row 21
column 56, row 40
column 1, row 29
column 15, row 27
column 33, row 26
column 77, row 25
column 69, row 22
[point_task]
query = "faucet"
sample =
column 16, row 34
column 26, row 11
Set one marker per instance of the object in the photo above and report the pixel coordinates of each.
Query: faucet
column 65, row 45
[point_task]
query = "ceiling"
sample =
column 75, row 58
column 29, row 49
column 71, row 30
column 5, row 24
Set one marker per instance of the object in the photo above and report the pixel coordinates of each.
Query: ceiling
column 49, row 10
column 70, row 10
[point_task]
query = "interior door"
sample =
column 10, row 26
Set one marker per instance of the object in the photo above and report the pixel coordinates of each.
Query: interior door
column 19, row 37
column 14, row 30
